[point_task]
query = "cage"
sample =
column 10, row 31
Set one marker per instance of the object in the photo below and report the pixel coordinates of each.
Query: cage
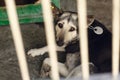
column 82, row 15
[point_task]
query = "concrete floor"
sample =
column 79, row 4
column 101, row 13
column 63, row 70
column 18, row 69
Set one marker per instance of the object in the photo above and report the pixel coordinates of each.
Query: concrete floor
column 34, row 37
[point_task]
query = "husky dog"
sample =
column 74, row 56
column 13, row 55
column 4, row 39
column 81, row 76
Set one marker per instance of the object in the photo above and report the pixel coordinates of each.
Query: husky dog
column 67, row 42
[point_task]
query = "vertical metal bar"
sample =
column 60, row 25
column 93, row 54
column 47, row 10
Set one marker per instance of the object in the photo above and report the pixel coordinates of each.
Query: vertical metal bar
column 12, row 14
column 82, row 14
column 116, row 37
column 48, row 19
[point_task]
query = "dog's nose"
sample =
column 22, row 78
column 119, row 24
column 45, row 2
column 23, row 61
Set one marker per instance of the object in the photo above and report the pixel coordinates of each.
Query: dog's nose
column 60, row 25
column 60, row 43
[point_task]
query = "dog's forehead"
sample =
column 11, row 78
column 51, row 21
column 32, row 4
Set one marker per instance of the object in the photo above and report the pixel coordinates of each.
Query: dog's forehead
column 68, row 15
column 65, row 15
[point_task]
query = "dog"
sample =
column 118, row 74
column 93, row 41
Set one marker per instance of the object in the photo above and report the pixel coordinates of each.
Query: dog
column 67, row 42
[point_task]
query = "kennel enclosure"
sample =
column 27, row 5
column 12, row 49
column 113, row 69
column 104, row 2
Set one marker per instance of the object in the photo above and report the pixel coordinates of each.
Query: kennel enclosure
column 82, row 15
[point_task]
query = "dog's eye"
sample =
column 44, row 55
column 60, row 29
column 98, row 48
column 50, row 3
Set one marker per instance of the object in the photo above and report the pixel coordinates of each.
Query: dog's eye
column 60, row 25
column 72, row 29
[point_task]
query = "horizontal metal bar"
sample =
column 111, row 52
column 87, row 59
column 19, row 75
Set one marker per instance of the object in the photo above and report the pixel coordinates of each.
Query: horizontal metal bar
column 29, row 13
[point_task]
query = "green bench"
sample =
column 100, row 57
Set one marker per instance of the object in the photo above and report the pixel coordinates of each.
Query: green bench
column 26, row 13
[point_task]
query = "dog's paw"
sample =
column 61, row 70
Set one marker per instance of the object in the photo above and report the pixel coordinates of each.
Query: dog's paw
column 45, row 71
column 35, row 52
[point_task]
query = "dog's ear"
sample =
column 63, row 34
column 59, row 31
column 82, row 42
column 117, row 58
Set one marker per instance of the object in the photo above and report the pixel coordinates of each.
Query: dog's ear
column 90, row 19
column 56, row 11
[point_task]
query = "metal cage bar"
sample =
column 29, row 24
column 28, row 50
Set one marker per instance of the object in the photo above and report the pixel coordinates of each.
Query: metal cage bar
column 15, row 28
column 116, row 37
column 82, row 16
column 49, row 27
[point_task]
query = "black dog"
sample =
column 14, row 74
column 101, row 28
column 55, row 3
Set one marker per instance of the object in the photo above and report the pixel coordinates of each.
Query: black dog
column 100, row 46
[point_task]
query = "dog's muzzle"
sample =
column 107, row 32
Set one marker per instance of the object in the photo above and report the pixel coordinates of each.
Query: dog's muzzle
column 60, row 42
column 60, row 39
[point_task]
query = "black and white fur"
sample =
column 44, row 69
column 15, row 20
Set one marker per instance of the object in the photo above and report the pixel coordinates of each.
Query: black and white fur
column 66, row 27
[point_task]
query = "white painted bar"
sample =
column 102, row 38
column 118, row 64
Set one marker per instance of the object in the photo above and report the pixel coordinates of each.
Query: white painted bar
column 15, row 28
column 82, row 14
column 116, row 37
column 48, row 19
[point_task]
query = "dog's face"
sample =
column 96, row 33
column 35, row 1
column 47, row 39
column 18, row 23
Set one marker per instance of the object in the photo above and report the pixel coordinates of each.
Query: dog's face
column 66, row 28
